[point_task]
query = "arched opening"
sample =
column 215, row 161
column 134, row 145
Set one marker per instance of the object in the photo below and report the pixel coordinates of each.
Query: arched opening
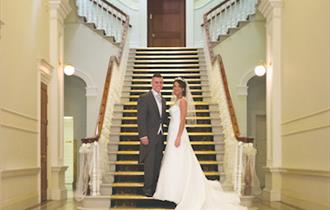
column 256, row 122
column 74, row 126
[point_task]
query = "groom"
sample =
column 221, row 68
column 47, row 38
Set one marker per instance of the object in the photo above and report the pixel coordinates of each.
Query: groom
column 151, row 116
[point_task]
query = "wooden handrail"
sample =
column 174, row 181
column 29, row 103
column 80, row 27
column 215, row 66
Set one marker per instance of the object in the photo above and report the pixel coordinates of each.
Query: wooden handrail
column 218, row 59
column 113, row 60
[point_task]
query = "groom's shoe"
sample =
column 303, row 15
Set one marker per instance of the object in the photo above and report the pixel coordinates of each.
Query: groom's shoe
column 147, row 193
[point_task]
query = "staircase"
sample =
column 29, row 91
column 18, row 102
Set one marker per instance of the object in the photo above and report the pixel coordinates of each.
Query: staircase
column 125, row 181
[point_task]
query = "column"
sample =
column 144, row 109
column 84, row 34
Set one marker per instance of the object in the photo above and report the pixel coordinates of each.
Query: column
column 58, row 10
column 272, row 10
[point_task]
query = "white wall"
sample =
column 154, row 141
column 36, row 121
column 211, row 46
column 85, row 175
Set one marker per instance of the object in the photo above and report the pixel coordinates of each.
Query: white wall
column 241, row 52
column 306, row 104
column 24, row 41
column 89, row 52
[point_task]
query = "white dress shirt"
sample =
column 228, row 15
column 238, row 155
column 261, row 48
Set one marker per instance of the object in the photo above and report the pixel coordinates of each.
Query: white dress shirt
column 158, row 99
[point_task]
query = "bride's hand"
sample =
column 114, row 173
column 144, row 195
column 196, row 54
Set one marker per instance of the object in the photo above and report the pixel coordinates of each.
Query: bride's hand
column 177, row 142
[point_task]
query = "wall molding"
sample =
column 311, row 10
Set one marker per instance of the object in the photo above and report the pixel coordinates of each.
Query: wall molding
column 21, row 202
column 18, row 121
column 306, row 116
column 306, row 123
column 9, row 173
column 305, row 130
column 19, row 128
column 19, row 114
column 305, row 172
column 301, row 203
column 91, row 89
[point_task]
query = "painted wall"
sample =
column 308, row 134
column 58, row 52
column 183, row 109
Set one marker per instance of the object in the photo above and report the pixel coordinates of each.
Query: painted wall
column 89, row 52
column 241, row 52
column 305, row 104
column 24, row 41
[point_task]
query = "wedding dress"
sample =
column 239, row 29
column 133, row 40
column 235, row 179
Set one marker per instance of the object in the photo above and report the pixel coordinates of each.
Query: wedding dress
column 182, row 179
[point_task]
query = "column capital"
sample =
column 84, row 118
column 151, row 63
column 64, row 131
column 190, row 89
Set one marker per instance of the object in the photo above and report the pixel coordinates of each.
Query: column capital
column 59, row 9
column 46, row 71
column 270, row 7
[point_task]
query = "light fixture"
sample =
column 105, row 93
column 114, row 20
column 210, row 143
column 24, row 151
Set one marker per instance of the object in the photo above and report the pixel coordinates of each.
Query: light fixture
column 260, row 70
column 69, row 70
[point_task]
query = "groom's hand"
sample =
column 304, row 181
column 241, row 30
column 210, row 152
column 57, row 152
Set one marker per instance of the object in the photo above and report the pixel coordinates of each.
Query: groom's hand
column 144, row 140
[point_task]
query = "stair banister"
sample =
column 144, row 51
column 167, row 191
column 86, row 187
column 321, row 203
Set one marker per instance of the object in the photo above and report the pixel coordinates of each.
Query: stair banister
column 116, row 67
column 235, row 143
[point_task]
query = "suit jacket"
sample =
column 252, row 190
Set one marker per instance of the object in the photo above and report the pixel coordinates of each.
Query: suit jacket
column 149, row 120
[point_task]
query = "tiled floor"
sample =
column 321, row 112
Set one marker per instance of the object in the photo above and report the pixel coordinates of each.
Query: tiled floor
column 70, row 204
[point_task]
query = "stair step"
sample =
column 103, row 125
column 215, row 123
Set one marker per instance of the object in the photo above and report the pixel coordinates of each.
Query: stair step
column 188, row 126
column 190, row 133
column 166, row 91
column 165, row 85
column 172, row 52
column 132, row 103
column 164, row 80
column 188, row 118
column 169, row 75
column 167, row 57
column 128, row 184
column 165, row 65
column 134, row 152
column 133, row 162
column 129, row 208
column 165, row 97
column 166, row 48
column 135, row 111
column 137, row 142
column 168, row 60
column 141, row 173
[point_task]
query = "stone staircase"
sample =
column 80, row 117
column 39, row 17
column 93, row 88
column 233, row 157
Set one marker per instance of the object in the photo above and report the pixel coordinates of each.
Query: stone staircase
column 123, row 185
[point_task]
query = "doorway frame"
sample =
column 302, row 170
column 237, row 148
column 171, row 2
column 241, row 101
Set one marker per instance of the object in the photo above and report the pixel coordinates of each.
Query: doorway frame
column 45, row 71
column 188, row 20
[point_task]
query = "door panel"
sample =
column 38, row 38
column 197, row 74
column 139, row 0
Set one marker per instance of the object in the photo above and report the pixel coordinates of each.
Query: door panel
column 166, row 24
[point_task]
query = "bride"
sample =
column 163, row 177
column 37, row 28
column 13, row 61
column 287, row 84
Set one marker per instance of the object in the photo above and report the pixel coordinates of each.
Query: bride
column 181, row 178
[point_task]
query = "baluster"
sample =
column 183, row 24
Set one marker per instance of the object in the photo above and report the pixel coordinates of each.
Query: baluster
column 83, row 8
column 223, row 22
column 218, row 25
column 79, row 6
column 108, row 21
column 233, row 15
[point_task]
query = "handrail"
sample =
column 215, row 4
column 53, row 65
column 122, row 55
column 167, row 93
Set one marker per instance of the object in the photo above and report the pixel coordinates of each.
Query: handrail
column 218, row 59
column 112, row 61
column 215, row 8
column 116, row 8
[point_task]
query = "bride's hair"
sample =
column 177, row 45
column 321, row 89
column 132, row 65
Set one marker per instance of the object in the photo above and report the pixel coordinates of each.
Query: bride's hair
column 183, row 85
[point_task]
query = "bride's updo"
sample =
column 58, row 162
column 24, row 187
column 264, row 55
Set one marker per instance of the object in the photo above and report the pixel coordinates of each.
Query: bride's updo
column 182, row 84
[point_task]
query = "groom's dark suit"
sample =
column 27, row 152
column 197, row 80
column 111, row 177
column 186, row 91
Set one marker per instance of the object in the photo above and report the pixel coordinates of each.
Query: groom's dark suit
column 149, row 121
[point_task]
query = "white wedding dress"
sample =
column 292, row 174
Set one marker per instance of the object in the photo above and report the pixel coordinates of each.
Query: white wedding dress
column 182, row 179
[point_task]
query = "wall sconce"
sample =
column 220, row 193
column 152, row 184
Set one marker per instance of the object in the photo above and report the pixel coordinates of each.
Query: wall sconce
column 69, row 70
column 260, row 70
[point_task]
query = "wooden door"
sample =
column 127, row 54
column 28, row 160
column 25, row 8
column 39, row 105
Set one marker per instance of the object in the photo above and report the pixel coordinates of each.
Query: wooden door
column 166, row 23
column 43, row 144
